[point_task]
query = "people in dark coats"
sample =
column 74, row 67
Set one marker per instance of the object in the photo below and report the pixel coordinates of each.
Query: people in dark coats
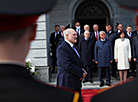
column 86, row 50
column 123, row 93
column 16, row 34
column 103, row 57
column 70, row 68
column 131, row 36
column 128, row 91
column 54, row 39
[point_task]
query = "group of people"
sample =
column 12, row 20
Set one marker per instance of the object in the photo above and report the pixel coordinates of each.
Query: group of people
column 98, row 51
column 17, row 31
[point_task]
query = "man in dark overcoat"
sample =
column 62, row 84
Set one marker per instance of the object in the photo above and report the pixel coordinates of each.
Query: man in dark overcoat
column 86, row 50
column 103, row 57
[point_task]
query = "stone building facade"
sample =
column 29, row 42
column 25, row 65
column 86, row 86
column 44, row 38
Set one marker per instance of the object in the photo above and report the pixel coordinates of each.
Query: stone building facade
column 39, row 49
column 67, row 12
column 89, row 12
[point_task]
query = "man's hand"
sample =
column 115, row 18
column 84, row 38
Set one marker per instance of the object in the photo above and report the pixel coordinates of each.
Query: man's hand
column 129, row 59
column 84, row 74
column 135, row 59
column 93, row 60
column 116, row 60
column 96, row 62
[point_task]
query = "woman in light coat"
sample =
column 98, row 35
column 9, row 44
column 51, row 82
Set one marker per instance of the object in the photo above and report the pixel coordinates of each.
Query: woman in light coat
column 122, row 55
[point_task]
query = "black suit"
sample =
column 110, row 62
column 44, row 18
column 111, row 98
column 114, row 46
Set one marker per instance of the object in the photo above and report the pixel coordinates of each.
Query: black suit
column 53, row 46
column 17, row 85
column 79, row 35
column 69, row 67
column 135, row 33
column 86, row 50
column 60, row 41
column 93, row 37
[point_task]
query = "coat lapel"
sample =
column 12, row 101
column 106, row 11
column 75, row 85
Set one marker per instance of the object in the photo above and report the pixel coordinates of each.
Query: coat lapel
column 72, row 50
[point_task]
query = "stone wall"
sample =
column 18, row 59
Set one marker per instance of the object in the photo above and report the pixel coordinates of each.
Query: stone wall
column 63, row 13
column 38, row 51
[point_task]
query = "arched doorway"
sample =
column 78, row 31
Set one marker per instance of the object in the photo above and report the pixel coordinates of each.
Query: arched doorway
column 92, row 12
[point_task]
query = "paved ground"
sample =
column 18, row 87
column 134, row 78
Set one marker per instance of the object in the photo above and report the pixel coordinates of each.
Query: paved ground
column 94, row 85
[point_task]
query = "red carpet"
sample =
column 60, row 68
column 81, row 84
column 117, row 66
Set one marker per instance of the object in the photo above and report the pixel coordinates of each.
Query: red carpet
column 87, row 94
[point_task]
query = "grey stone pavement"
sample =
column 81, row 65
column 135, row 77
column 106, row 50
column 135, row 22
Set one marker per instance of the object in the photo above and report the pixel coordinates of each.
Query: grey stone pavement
column 88, row 85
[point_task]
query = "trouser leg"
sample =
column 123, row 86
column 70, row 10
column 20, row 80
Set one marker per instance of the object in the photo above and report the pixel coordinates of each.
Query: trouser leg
column 101, row 75
column 137, row 68
column 132, row 68
column 90, row 72
column 107, row 69
column 86, row 78
column 114, row 69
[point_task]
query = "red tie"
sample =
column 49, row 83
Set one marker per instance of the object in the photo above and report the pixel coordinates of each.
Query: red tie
column 96, row 36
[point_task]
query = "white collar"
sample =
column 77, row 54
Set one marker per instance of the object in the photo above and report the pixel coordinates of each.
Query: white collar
column 69, row 43
column 96, row 32
column 110, row 32
column 129, row 33
column 56, row 32
column 102, row 40
column 62, row 34
column 86, row 38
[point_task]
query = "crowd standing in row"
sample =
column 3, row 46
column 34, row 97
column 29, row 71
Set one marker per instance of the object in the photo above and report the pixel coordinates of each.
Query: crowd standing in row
column 101, row 51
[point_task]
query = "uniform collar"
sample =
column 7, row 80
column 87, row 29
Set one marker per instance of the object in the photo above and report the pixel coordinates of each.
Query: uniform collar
column 12, row 63
column 7, row 69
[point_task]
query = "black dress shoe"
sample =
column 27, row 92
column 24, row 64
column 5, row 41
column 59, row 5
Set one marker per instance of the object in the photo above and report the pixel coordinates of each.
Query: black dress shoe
column 90, row 81
column 101, row 84
column 84, row 81
column 115, row 76
column 108, row 84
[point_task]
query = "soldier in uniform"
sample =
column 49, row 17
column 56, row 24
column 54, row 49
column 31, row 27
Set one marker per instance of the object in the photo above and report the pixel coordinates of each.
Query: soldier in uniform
column 17, row 31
